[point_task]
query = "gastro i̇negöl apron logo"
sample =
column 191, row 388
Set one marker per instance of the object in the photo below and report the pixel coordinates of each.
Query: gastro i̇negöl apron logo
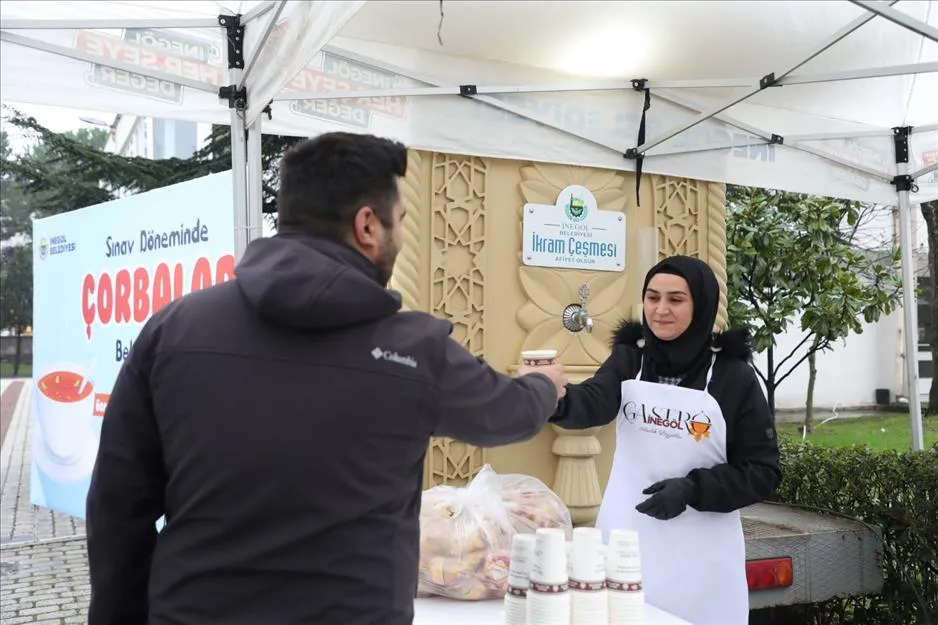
column 697, row 425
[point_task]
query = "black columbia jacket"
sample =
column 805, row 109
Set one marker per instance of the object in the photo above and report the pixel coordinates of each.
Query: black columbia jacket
column 280, row 422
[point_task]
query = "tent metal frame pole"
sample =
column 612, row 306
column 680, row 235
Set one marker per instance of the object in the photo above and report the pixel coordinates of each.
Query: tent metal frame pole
column 924, row 171
column 918, row 130
column 799, row 79
column 256, row 53
column 859, row 74
column 257, row 11
column 239, row 173
column 726, row 119
column 408, row 92
column 909, row 301
column 708, row 148
column 899, row 18
column 51, row 48
column 828, row 136
column 254, row 207
column 767, row 81
column 109, row 23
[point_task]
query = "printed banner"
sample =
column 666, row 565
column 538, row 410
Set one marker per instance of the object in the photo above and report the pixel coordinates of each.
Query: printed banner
column 98, row 274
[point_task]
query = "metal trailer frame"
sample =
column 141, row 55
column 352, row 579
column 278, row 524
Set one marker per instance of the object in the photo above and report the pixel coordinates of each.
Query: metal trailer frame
column 246, row 144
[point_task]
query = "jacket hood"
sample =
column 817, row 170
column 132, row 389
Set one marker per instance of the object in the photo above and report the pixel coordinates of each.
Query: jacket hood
column 733, row 343
column 312, row 283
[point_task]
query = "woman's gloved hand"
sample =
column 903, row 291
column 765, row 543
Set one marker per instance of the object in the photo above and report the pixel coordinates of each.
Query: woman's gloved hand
column 669, row 498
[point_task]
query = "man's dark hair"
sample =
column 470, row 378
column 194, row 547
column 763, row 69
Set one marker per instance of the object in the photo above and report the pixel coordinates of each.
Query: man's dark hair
column 326, row 179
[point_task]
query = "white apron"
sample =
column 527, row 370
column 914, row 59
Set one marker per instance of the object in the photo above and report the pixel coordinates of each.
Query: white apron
column 694, row 565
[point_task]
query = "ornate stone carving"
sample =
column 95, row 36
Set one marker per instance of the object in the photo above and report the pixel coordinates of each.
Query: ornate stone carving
column 677, row 203
column 457, row 285
column 549, row 290
column 716, row 243
column 406, row 278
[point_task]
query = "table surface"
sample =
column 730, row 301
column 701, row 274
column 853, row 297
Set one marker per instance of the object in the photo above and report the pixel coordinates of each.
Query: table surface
column 439, row 611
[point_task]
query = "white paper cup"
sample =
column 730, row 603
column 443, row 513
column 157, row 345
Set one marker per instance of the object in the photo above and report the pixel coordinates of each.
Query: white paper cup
column 589, row 607
column 548, row 609
column 550, row 558
column 522, row 559
column 516, row 610
column 64, row 408
column 588, row 557
column 623, row 557
column 626, row 608
column 538, row 357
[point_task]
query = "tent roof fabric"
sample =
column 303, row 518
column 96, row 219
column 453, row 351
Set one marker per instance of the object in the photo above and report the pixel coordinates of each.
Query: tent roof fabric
column 841, row 74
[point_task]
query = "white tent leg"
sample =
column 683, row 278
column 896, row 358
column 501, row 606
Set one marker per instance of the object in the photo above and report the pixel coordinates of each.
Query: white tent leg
column 239, row 173
column 254, row 207
column 909, row 300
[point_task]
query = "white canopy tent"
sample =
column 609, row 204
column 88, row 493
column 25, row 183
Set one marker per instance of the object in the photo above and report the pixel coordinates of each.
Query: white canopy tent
column 836, row 98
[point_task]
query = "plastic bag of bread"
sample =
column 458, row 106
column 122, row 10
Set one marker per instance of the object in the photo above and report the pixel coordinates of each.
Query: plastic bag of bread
column 466, row 533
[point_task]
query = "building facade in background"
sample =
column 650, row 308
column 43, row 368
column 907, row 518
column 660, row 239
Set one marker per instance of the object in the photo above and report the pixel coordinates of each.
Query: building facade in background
column 156, row 138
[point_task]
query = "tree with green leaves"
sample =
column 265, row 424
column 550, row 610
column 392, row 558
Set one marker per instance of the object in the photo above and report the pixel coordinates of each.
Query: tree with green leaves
column 791, row 254
column 73, row 172
column 16, row 293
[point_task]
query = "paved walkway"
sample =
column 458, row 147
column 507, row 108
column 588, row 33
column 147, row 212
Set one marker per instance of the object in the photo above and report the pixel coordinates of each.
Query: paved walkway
column 43, row 566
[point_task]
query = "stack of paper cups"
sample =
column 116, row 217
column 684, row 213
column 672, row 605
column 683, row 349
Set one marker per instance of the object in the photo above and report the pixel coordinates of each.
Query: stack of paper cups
column 548, row 596
column 624, row 578
column 588, row 601
column 519, row 571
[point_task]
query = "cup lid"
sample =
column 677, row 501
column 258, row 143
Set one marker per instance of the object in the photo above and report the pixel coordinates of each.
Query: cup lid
column 539, row 354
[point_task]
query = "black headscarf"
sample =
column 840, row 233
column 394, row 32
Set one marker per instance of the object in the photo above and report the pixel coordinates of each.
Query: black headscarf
column 685, row 354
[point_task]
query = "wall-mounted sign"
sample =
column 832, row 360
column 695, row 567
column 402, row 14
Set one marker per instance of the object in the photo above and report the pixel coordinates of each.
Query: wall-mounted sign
column 573, row 233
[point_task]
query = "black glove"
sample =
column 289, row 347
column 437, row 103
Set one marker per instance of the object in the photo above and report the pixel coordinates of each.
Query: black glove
column 670, row 498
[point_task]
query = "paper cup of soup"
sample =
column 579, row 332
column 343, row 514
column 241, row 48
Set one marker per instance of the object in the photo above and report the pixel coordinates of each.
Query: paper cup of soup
column 64, row 406
column 537, row 357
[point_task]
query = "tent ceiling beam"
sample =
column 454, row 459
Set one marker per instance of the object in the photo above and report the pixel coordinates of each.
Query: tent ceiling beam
column 917, row 130
column 255, row 54
column 924, row 171
column 799, row 79
column 856, row 74
column 899, row 18
column 659, row 151
column 407, row 92
column 789, row 142
column 767, row 81
column 109, row 23
column 51, row 48
column 829, row 136
column 257, row 11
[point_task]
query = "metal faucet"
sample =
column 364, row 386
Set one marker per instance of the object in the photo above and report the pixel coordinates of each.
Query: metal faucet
column 575, row 316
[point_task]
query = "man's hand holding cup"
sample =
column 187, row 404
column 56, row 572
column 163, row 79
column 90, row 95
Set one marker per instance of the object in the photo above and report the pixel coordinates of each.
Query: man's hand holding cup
column 544, row 361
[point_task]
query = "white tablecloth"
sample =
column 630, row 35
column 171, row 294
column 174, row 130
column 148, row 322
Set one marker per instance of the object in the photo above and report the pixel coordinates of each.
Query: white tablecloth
column 439, row 611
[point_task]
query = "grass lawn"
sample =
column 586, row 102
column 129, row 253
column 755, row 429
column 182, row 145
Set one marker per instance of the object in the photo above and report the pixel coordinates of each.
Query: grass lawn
column 6, row 370
column 878, row 432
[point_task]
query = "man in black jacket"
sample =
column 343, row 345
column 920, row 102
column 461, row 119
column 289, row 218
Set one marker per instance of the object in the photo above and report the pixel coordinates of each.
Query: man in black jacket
column 280, row 421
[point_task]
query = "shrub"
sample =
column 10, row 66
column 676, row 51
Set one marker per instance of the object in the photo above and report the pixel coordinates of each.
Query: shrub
column 895, row 491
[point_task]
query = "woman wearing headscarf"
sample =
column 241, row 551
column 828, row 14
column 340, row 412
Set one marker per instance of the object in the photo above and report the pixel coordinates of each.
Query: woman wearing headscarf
column 695, row 442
